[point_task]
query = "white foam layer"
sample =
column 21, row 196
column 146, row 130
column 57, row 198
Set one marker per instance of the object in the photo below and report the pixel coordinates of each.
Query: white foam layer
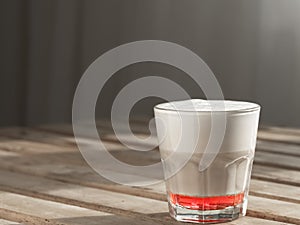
column 200, row 105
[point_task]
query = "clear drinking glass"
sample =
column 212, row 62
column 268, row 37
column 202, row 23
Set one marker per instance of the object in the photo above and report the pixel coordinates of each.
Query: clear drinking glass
column 219, row 191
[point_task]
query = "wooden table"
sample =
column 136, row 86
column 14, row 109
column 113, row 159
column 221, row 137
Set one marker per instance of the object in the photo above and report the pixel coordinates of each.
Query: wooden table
column 44, row 180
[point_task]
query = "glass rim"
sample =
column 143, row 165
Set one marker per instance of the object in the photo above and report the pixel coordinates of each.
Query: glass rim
column 253, row 108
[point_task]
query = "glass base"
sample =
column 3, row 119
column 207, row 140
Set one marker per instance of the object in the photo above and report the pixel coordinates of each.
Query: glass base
column 183, row 214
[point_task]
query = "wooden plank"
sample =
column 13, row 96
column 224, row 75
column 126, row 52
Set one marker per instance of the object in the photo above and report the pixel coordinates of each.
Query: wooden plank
column 281, row 134
column 278, row 175
column 61, row 153
column 277, row 160
column 279, row 137
column 67, row 156
column 114, row 138
column 275, row 191
column 285, row 161
column 65, row 129
column 30, row 134
column 25, row 146
column 137, row 126
column 283, row 157
column 62, row 140
column 112, row 220
column 39, row 211
column 43, row 165
column 104, row 127
column 252, row 220
column 6, row 222
column 131, row 157
column 64, row 166
column 81, row 175
column 65, row 146
column 279, row 148
column 281, row 129
column 76, row 194
column 273, row 209
column 265, row 158
column 81, row 196
column 30, row 138
column 7, row 154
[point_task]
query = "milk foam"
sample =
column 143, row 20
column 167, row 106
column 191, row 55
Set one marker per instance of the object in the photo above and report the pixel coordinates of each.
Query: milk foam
column 241, row 124
column 200, row 105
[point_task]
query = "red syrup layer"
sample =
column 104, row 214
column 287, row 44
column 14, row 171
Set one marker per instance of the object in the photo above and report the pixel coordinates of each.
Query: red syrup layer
column 206, row 203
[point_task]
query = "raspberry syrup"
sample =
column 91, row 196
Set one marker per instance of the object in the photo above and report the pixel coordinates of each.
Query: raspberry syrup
column 206, row 203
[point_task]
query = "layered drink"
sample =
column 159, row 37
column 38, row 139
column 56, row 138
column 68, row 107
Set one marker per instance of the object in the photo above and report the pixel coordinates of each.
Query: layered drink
column 207, row 149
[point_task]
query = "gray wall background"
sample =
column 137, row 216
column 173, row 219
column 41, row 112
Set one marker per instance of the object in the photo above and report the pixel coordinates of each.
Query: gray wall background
column 253, row 47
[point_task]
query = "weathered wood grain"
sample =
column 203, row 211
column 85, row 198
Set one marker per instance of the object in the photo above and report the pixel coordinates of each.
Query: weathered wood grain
column 265, row 158
column 281, row 129
column 279, row 137
column 70, row 167
column 279, row 148
column 29, row 134
column 275, row 191
column 6, row 222
column 277, row 160
column 268, row 153
column 278, row 175
column 49, row 210
column 71, row 156
column 56, row 172
column 284, row 153
column 273, row 209
column 29, row 138
column 39, row 211
column 79, row 195
column 277, row 134
column 94, row 199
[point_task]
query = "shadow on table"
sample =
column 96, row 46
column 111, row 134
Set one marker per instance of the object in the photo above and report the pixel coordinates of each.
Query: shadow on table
column 118, row 219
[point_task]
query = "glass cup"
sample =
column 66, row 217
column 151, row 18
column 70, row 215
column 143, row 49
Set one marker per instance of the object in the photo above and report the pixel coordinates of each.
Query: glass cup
column 207, row 184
